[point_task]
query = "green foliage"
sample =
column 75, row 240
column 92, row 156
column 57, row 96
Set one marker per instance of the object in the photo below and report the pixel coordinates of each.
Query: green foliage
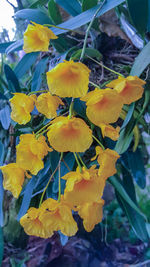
column 24, row 64
column 1, row 245
column 35, row 15
column 54, row 12
column 87, row 4
column 139, row 13
column 72, row 7
column 31, row 67
column 141, row 61
column 94, row 53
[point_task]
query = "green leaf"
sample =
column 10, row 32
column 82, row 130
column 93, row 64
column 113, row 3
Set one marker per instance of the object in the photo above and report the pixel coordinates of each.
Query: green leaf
column 43, row 177
column 86, row 16
column 137, row 222
column 87, row 4
column 69, row 160
column 128, row 116
column 139, row 14
column 80, row 107
column 25, row 63
column 33, row 15
column 1, row 201
column 141, row 61
column 37, row 79
column 1, row 245
column 72, row 7
column 5, row 117
column 126, row 133
column 27, row 197
column 62, row 44
column 3, row 46
column 136, row 165
column 136, row 115
column 88, row 51
column 148, row 25
column 11, row 79
column 15, row 46
column 54, row 12
column 38, row 3
column 1, row 153
column 125, row 137
column 120, row 189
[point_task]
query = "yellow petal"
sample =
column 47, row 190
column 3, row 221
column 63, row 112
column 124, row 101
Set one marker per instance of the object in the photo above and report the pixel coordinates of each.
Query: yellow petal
column 33, row 225
column 13, row 178
column 130, row 88
column 21, row 105
column 69, row 135
column 48, row 104
column 103, row 106
column 91, row 213
column 30, row 152
column 107, row 160
column 37, row 37
column 68, row 79
column 110, row 131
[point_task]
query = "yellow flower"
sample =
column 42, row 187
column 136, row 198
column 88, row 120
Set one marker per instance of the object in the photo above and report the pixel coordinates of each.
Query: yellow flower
column 33, row 225
column 83, row 187
column 51, row 216
column 13, row 178
column 57, row 216
column 109, row 131
column 22, row 105
column 37, row 37
column 30, row 152
column 69, row 135
column 103, row 106
column 91, row 213
column 69, row 79
column 129, row 88
column 107, row 159
column 48, row 104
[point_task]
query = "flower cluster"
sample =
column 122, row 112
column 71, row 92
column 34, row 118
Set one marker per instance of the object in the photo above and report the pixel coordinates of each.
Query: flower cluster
column 84, row 186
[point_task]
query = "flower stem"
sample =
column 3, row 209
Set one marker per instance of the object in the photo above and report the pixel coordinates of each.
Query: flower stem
column 37, row 135
column 71, row 108
column 98, row 142
column 88, row 30
column 36, row 92
column 66, row 165
column 79, row 165
column 43, row 128
column 57, row 27
column 99, row 63
column 48, row 185
column 59, row 186
column 81, row 160
column 94, row 84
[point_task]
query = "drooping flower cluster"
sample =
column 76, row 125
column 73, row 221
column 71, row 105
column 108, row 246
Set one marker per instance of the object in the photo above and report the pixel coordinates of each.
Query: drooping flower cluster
column 84, row 187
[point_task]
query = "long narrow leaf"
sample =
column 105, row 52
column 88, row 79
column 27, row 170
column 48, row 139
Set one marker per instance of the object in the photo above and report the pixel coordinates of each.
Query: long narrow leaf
column 120, row 189
column 4, row 46
column 137, row 222
column 37, row 79
column 15, row 46
column 33, row 15
column 27, row 197
column 86, row 16
column 1, row 245
column 25, row 63
column 1, row 201
column 141, row 61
